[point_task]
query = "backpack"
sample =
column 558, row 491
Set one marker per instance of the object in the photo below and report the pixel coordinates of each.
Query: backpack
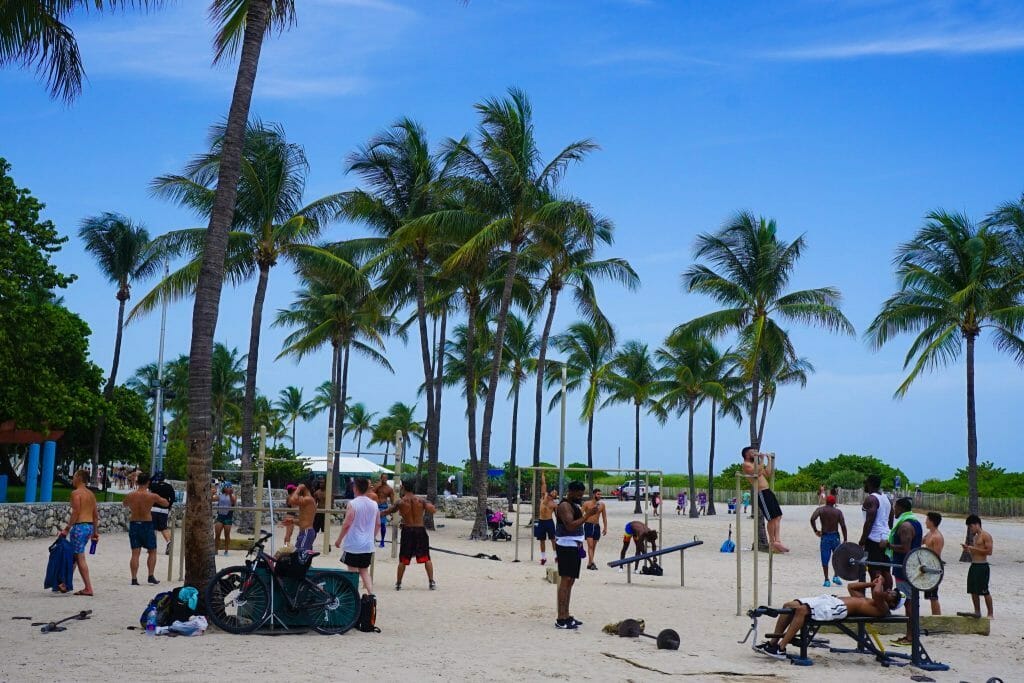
column 367, row 614
column 653, row 569
column 171, row 607
column 162, row 603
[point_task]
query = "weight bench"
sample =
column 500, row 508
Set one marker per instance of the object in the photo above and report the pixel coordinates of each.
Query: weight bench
column 855, row 627
column 681, row 549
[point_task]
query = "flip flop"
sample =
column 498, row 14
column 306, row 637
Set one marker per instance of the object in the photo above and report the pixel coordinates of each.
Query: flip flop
column 82, row 592
column 901, row 642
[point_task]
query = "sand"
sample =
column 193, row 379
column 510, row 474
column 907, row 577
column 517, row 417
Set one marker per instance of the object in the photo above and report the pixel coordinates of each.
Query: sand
column 495, row 620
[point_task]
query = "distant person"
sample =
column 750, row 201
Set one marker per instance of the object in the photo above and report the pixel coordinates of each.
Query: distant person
column 225, row 509
column 544, row 526
column 918, row 496
column 934, row 541
column 906, row 535
column 415, row 543
column 746, row 501
column 822, row 496
column 702, row 503
column 832, row 521
column 897, row 483
column 158, row 485
column 288, row 522
column 593, row 531
column 877, row 513
column 304, row 500
column 759, row 472
column 569, row 550
column 656, row 502
column 980, row 549
column 321, row 499
column 358, row 531
column 680, row 502
column 385, row 497
column 640, row 535
column 83, row 525
column 141, row 531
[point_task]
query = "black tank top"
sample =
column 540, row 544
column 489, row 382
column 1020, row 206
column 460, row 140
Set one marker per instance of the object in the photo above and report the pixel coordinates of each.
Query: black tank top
column 560, row 529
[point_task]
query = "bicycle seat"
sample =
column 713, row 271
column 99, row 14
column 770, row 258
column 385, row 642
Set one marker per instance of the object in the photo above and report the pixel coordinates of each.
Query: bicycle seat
column 310, row 554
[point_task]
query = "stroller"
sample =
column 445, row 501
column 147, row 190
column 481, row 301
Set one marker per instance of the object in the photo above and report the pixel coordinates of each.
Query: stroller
column 496, row 522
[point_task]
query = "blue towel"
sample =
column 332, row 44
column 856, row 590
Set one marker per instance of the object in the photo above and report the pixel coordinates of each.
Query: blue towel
column 61, row 567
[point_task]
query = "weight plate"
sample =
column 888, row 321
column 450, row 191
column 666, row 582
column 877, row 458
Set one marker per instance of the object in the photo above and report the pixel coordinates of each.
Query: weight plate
column 923, row 569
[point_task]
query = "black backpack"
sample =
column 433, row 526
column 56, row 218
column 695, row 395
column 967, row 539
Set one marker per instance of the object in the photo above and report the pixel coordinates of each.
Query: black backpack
column 367, row 622
column 653, row 568
column 169, row 608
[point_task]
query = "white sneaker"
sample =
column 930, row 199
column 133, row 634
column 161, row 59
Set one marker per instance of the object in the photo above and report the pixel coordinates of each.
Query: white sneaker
column 621, row 570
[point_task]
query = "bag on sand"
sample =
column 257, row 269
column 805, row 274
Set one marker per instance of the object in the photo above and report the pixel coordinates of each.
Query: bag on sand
column 367, row 622
column 180, row 604
column 653, row 568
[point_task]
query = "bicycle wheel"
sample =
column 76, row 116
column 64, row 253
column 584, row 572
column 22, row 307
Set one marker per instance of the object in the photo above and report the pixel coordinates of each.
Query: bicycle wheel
column 237, row 600
column 329, row 603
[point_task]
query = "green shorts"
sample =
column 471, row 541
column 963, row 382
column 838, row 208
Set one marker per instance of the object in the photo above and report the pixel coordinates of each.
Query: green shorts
column 977, row 578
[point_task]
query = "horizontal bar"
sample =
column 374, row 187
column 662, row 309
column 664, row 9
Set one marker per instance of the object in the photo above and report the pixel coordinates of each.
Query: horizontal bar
column 654, row 553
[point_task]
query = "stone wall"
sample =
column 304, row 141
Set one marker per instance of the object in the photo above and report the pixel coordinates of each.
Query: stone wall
column 464, row 507
column 33, row 520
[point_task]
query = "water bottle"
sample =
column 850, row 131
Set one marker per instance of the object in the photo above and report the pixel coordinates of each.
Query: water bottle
column 151, row 622
column 92, row 547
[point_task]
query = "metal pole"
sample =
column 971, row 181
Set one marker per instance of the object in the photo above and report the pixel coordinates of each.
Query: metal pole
column 535, row 512
column 661, row 515
column 399, row 460
column 260, row 464
column 181, row 551
column 170, row 555
column 158, row 403
column 771, row 546
column 647, row 494
column 561, row 446
column 739, row 548
column 618, row 463
column 519, row 487
column 757, row 523
column 682, row 568
column 329, row 490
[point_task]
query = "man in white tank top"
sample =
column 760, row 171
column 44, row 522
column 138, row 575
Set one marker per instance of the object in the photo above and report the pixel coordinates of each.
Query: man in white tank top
column 877, row 520
column 358, row 531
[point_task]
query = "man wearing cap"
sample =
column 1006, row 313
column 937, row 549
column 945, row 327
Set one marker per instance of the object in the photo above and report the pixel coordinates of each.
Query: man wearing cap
column 158, row 485
column 905, row 536
column 569, row 550
column 832, row 520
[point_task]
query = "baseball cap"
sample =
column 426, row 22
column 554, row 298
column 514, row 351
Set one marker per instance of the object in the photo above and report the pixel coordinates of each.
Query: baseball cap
column 290, row 487
column 831, row 500
column 902, row 598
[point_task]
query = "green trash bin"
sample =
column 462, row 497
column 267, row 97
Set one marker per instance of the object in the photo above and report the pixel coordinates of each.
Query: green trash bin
column 298, row 619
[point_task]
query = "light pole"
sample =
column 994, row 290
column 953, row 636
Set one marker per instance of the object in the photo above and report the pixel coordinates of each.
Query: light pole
column 158, row 402
column 561, row 446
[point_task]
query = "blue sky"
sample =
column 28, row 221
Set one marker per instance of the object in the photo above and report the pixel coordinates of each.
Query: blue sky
column 844, row 120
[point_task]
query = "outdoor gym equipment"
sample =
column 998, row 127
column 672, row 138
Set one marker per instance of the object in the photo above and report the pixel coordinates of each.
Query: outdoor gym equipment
column 667, row 639
column 922, row 568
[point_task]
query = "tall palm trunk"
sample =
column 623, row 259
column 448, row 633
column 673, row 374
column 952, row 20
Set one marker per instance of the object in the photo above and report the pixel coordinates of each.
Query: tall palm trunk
column 198, row 524
column 471, row 382
column 972, row 431
column 538, row 398
column 428, row 369
column 711, row 460
column 764, row 418
column 339, row 416
column 510, row 475
column 249, row 400
column 480, row 526
column 636, row 508
column 590, row 452
column 295, row 451
column 432, row 458
column 690, row 410
column 108, row 389
column 335, row 383
column 755, row 388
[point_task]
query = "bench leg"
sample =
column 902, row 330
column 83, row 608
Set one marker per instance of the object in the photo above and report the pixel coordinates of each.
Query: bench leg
column 682, row 568
column 629, row 573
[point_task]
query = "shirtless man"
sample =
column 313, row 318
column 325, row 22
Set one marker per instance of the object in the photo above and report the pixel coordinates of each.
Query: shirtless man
column 877, row 520
column 640, row 535
column 934, row 541
column 288, row 522
column 141, row 532
column 593, row 531
column 83, row 525
column 831, row 521
column 755, row 466
column 544, row 526
column 304, row 500
column 415, row 542
column 831, row 608
column 980, row 549
column 385, row 496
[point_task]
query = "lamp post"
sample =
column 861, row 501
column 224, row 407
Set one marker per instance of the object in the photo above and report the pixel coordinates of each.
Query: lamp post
column 158, row 402
column 561, row 446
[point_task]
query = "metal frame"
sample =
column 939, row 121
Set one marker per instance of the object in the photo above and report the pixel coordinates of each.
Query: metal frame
column 755, row 503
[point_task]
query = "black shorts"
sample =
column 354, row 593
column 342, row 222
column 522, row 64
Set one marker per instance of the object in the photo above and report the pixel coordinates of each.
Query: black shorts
column 592, row 531
column 544, row 529
column 159, row 520
column 318, row 522
column 769, row 504
column 876, row 554
column 569, row 561
column 933, row 594
column 977, row 578
column 414, row 543
column 357, row 560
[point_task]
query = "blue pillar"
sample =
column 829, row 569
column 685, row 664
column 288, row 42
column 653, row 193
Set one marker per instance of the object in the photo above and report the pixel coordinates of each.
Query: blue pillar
column 3, row 488
column 31, row 473
column 46, row 476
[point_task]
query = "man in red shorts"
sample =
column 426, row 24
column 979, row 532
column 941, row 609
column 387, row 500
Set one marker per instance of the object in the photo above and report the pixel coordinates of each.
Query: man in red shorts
column 415, row 542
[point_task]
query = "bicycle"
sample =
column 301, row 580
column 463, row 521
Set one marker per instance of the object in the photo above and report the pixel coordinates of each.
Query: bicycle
column 238, row 598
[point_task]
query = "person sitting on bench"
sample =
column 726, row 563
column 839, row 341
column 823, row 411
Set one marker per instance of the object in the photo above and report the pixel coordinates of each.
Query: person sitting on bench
column 831, row 608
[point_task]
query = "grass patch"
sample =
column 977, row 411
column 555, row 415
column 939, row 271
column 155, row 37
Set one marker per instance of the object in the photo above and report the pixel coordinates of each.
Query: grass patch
column 61, row 494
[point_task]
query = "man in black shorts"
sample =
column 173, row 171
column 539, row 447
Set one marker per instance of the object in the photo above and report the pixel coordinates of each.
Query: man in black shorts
column 415, row 542
column 158, row 485
column 759, row 472
column 569, row 550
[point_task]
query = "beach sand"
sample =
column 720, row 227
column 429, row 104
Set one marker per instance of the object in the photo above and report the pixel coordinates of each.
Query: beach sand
column 495, row 620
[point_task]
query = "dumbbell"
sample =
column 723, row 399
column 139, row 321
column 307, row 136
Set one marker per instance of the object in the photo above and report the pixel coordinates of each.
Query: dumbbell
column 667, row 639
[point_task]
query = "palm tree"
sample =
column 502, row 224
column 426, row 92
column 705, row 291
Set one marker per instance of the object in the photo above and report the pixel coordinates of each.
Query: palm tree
column 271, row 224
column 521, row 345
column 465, row 365
column 779, row 370
column 406, row 182
column 227, row 377
column 954, row 282
column 511, row 193
column 634, row 379
column 33, row 33
column 124, row 253
column 684, row 365
column 401, row 416
column 1009, row 216
column 382, row 433
column 359, row 421
column 292, row 406
column 753, row 268
column 565, row 256
column 587, row 350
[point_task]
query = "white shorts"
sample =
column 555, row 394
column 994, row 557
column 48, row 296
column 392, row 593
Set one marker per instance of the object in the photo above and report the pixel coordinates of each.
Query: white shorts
column 826, row 608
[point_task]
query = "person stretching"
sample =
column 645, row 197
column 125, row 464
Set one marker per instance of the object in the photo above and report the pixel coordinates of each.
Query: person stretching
column 385, row 496
column 304, row 500
column 593, row 531
column 544, row 527
column 415, row 542
column 640, row 535
column 358, row 531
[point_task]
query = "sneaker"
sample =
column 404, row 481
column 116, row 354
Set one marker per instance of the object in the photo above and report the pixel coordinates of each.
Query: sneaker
column 543, row 561
column 152, row 580
column 225, row 553
column 382, row 544
column 769, row 650
column 398, row 586
column 167, row 550
column 567, row 624
column 827, row 584
column 621, row 570
column 433, row 585
column 592, row 566
column 836, row 581
column 135, row 582
column 575, row 621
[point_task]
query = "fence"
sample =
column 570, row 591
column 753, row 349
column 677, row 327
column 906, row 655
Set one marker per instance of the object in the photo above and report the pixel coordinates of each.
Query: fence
column 940, row 502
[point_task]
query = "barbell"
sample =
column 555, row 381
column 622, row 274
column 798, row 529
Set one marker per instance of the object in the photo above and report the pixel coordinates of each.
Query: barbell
column 667, row 639
column 922, row 567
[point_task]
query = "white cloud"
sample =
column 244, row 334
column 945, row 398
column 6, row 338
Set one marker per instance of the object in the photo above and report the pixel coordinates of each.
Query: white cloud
column 979, row 42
